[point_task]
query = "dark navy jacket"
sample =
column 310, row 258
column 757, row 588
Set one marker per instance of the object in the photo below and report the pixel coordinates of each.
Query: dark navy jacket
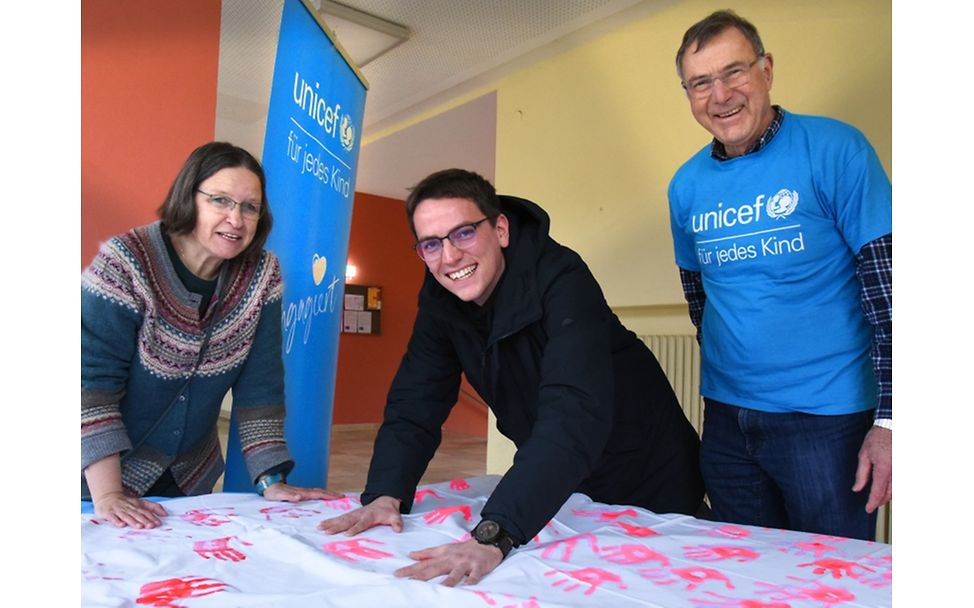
column 583, row 399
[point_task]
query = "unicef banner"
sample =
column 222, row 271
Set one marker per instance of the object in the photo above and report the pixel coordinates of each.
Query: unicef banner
column 310, row 154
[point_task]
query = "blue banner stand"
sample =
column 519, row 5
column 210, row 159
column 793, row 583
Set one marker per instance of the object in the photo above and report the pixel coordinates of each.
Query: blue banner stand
column 311, row 148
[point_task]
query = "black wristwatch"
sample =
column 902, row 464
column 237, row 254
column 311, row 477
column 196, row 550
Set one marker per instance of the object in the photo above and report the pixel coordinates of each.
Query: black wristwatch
column 490, row 532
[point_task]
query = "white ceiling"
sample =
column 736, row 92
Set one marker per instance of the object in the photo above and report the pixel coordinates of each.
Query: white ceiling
column 454, row 46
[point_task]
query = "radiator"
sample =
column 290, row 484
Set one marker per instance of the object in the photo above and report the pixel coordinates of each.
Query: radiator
column 679, row 356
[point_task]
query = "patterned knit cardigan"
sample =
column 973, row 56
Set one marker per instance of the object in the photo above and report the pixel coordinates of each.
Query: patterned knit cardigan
column 141, row 334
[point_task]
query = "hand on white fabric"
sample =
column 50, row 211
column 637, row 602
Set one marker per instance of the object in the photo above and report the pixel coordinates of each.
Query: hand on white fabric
column 283, row 492
column 381, row 511
column 876, row 458
column 121, row 510
column 470, row 560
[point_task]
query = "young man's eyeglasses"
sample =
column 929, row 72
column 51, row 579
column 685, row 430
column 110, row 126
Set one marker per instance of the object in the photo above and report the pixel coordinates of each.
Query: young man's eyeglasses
column 735, row 76
column 250, row 211
column 461, row 237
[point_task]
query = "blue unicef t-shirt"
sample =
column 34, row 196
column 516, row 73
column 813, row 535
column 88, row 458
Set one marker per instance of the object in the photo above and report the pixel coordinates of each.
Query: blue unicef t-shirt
column 774, row 235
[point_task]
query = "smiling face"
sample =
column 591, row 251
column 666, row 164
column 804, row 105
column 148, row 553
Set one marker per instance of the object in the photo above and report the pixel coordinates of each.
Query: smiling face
column 220, row 235
column 735, row 117
column 470, row 274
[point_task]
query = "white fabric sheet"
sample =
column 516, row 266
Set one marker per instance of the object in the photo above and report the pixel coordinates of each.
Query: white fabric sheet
column 241, row 550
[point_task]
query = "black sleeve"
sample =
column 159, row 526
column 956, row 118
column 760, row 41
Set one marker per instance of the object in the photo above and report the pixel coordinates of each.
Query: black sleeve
column 422, row 394
column 575, row 412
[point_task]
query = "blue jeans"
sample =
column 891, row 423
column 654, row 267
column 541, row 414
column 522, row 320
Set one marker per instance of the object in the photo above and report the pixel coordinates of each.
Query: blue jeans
column 786, row 470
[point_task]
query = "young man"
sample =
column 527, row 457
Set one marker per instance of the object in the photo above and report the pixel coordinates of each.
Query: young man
column 582, row 398
column 783, row 235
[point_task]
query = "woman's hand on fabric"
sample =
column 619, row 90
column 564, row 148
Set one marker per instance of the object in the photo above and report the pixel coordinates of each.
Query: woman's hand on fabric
column 123, row 511
column 288, row 493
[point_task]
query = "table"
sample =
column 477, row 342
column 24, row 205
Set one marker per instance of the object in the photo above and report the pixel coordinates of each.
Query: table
column 241, row 550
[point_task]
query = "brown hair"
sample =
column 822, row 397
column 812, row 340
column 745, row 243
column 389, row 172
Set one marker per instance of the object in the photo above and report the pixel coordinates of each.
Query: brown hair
column 455, row 183
column 178, row 212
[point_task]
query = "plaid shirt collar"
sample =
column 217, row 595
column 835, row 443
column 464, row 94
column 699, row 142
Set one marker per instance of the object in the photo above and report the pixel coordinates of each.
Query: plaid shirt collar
column 718, row 151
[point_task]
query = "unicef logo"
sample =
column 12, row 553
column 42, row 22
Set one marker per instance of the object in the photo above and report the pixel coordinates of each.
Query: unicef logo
column 347, row 133
column 782, row 204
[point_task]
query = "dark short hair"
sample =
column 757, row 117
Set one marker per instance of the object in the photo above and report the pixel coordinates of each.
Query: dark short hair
column 178, row 212
column 713, row 25
column 455, row 183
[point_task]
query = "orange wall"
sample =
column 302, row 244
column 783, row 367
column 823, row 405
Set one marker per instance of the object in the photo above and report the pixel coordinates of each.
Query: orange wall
column 148, row 98
column 379, row 247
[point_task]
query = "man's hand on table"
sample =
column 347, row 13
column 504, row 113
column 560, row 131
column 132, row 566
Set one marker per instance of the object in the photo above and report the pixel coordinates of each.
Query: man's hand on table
column 383, row 511
column 470, row 560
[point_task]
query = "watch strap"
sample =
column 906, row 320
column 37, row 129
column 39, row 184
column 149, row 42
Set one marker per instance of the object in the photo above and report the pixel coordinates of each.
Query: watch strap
column 489, row 532
column 266, row 481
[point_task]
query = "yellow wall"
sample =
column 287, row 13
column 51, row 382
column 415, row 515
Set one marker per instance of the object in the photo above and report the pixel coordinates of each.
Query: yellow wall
column 594, row 134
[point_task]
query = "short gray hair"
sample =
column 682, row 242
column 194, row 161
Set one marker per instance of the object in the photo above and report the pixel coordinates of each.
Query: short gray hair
column 713, row 25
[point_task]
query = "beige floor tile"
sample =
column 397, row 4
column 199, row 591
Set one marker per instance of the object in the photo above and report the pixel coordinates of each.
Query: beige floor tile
column 459, row 455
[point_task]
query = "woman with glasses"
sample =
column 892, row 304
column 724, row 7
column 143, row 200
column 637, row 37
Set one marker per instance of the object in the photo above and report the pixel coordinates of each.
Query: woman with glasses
column 173, row 315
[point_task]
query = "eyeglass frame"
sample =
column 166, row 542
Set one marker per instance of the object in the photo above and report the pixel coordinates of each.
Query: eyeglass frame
column 233, row 204
column 474, row 225
column 722, row 76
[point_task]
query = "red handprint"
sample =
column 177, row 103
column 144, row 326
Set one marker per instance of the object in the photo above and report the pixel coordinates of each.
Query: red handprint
column 163, row 594
column 421, row 494
column 723, row 601
column 730, row 531
column 593, row 577
column 831, row 539
column 878, row 581
column 438, row 516
column 134, row 535
column 836, row 567
column 459, row 484
column 637, row 531
column 817, row 592
column 207, row 517
column 349, row 549
column 694, row 576
column 884, row 572
column 342, row 504
column 95, row 575
column 568, row 545
column 814, row 547
column 220, row 549
column 717, row 553
column 633, row 554
column 292, row 512
column 604, row 515
column 131, row 536
column 532, row 602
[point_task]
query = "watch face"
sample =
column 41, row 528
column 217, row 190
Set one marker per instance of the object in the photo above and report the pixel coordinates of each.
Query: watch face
column 486, row 531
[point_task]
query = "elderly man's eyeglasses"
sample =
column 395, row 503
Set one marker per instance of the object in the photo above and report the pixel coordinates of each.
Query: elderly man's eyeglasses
column 735, row 76
column 250, row 211
column 461, row 237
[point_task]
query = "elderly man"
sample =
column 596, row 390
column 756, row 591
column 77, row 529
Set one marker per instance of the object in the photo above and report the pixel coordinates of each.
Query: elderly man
column 783, row 235
column 582, row 398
